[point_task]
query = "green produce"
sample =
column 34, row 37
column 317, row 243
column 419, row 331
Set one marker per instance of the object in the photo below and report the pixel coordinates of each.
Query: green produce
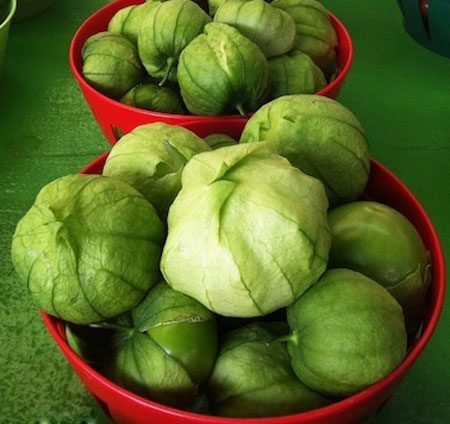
column 272, row 29
column 216, row 141
column 382, row 244
column 166, row 30
column 247, row 232
column 127, row 21
column 213, row 5
column 151, row 159
column 319, row 136
column 253, row 377
column 88, row 248
column 294, row 73
column 152, row 97
column 221, row 71
column 119, row 20
column 315, row 33
column 168, row 351
column 348, row 333
column 111, row 64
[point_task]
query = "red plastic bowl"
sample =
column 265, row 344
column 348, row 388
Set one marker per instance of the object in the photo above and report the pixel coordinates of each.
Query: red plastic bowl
column 116, row 118
column 126, row 407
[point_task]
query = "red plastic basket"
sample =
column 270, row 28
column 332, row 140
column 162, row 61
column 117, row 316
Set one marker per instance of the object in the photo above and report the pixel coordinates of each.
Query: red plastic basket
column 116, row 118
column 126, row 407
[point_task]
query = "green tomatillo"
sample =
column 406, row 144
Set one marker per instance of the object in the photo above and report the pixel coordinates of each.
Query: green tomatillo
column 348, row 333
column 271, row 28
column 221, row 71
column 152, row 97
column 247, row 232
column 294, row 73
column 213, row 5
column 166, row 30
column 127, row 21
column 151, row 158
column 253, row 377
column 380, row 242
column 169, row 349
column 89, row 248
column 320, row 137
column 315, row 34
column 111, row 64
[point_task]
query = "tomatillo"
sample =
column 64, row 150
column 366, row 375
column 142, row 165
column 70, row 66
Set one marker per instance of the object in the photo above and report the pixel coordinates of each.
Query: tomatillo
column 168, row 351
column 381, row 243
column 253, row 376
column 348, row 332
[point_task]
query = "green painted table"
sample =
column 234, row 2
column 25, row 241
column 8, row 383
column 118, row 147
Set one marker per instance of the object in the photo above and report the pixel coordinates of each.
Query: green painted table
column 399, row 90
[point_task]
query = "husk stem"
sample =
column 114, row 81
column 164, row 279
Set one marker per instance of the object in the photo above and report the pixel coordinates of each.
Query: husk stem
column 109, row 326
column 170, row 64
column 241, row 110
column 292, row 337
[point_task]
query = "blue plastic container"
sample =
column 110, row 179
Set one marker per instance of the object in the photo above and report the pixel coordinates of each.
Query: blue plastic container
column 428, row 22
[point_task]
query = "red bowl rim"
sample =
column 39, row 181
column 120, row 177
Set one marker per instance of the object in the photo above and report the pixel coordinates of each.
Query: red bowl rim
column 319, row 413
column 159, row 115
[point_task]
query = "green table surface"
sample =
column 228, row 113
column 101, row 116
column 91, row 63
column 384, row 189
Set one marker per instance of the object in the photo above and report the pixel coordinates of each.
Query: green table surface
column 399, row 90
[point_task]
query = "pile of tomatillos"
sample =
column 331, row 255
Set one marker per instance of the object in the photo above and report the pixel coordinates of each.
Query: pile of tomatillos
column 173, row 57
column 237, row 279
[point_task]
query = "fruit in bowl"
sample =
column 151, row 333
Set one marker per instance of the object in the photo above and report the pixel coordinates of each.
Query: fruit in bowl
column 214, row 84
column 221, row 67
column 248, row 234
